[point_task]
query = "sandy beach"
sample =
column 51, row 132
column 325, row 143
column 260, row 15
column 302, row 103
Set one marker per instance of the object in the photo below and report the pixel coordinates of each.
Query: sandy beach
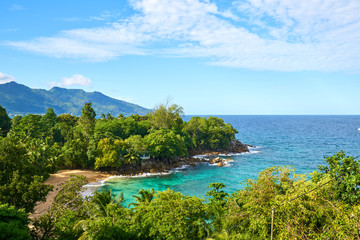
column 57, row 180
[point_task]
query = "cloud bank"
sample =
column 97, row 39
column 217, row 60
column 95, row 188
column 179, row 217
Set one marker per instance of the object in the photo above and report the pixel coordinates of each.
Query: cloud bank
column 278, row 35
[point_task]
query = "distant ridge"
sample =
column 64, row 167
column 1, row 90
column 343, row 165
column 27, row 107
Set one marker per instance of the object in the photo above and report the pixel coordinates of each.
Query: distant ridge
column 19, row 99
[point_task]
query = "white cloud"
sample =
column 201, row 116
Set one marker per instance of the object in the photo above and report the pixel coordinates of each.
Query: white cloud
column 76, row 79
column 4, row 78
column 278, row 35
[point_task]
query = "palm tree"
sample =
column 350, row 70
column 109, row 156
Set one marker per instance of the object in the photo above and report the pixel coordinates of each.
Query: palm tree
column 104, row 198
column 100, row 214
column 145, row 196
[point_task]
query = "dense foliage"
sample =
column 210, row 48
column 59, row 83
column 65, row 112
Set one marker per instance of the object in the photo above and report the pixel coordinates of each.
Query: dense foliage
column 111, row 142
column 23, row 167
column 33, row 146
column 322, row 205
column 211, row 133
column 303, row 207
column 13, row 223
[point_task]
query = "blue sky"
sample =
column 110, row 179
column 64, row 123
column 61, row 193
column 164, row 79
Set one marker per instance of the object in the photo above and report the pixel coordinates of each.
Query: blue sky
column 211, row 57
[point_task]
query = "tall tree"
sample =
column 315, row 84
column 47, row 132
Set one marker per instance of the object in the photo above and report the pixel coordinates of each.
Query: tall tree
column 168, row 117
column 49, row 118
column 87, row 120
column 20, row 184
column 5, row 122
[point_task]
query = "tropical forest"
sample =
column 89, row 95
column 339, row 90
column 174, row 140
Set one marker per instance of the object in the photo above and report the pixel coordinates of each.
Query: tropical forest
column 278, row 204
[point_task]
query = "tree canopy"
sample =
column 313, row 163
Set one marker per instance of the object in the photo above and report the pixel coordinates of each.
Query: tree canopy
column 301, row 206
column 322, row 205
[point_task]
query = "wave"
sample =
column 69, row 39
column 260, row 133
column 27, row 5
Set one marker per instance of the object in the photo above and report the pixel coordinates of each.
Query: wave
column 147, row 174
column 227, row 164
column 90, row 188
column 178, row 169
column 224, row 155
column 252, row 150
column 201, row 156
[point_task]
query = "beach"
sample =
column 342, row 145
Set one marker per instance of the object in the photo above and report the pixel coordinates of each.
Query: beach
column 58, row 179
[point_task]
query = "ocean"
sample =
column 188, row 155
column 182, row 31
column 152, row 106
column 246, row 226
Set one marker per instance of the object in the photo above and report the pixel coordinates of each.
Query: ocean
column 298, row 141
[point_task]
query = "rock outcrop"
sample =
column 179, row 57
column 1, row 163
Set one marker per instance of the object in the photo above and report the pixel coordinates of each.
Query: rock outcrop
column 221, row 164
column 238, row 147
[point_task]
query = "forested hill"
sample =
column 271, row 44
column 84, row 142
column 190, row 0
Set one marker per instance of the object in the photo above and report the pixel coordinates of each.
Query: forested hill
column 20, row 99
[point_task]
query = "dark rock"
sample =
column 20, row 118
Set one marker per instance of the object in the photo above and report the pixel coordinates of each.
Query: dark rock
column 238, row 147
column 216, row 160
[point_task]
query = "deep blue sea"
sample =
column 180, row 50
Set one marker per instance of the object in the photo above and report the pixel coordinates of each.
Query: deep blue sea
column 298, row 141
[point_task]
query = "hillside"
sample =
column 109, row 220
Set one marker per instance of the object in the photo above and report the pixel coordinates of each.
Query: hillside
column 20, row 99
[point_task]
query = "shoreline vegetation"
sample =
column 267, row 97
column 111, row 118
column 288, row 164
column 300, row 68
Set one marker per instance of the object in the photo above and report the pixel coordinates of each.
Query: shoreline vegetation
column 36, row 146
column 279, row 203
column 195, row 157
column 59, row 178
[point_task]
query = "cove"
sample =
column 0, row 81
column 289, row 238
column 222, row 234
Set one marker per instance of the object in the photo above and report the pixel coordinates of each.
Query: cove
column 298, row 141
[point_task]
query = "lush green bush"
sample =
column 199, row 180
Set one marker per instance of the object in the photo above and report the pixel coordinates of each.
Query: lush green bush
column 210, row 133
column 13, row 223
column 346, row 172
column 165, row 144
column 114, row 153
column 171, row 215
column 22, row 174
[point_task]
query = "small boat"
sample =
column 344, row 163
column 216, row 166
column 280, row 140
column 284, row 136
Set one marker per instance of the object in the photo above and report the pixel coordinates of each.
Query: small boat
column 359, row 129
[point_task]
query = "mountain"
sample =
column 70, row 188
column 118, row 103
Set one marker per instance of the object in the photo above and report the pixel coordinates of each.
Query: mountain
column 19, row 99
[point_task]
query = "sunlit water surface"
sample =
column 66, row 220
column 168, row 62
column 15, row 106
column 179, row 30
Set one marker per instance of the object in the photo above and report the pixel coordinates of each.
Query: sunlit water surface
column 299, row 141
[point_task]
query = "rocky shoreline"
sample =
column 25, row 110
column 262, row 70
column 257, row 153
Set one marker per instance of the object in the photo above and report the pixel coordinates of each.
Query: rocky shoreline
column 148, row 166
column 196, row 157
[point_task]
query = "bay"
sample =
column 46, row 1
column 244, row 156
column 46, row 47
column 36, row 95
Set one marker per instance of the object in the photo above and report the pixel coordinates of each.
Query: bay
column 298, row 141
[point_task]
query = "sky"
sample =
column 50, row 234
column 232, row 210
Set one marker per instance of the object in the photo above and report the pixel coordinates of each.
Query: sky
column 210, row 57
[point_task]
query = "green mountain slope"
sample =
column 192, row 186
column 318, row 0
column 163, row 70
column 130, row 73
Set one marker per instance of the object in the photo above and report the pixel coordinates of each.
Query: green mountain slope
column 20, row 99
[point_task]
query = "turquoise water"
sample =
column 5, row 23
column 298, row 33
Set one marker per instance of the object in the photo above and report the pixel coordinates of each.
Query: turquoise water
column 299, row 141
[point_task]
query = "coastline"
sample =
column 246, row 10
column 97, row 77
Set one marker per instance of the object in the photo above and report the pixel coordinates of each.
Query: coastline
column 147, row 168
